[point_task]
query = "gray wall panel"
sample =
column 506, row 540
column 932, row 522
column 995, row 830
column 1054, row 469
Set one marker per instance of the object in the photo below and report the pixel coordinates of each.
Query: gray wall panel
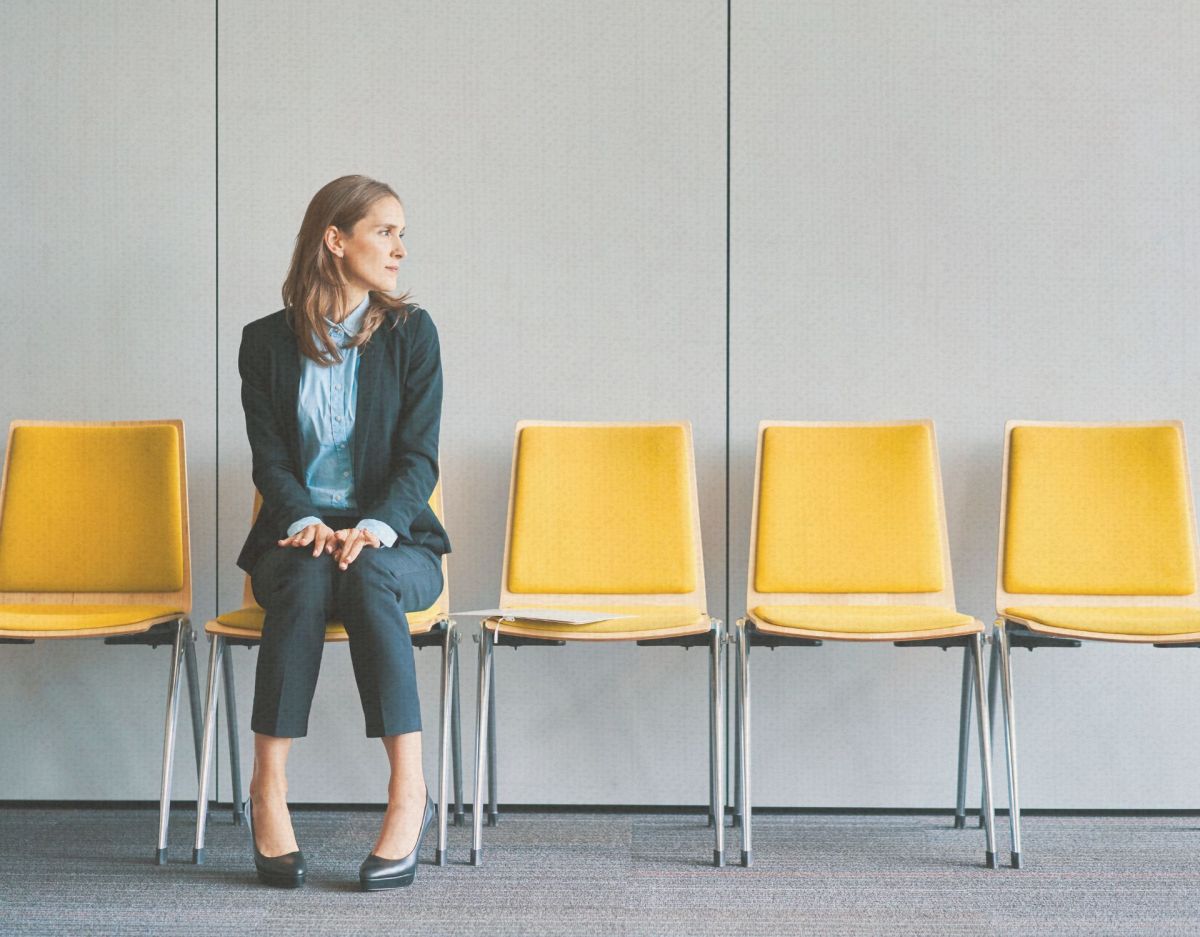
column 108, row 267
column 970, row 213
column 562, row 167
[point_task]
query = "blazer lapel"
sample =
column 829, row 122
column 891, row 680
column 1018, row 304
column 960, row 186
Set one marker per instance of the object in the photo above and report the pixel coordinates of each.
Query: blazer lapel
column 371, row 366
column 288, row 386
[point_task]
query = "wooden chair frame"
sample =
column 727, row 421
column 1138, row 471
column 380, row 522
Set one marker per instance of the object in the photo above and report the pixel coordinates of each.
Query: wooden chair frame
column 174, row 629
column 750, row 630
column 439, row 630
column 1011, row 631
column 706, row 630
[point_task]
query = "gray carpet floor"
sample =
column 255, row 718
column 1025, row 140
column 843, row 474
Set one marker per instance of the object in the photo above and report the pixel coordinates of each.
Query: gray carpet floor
column 90, row 871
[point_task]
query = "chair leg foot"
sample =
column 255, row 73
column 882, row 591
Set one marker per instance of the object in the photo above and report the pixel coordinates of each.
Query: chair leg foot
column 981, row 823
column 493, row 818
column 718, row 858
column 747, row 858
column 989, row 859
column 476, row 857
column 960, row 823
column 458, row 818
column 736, row 820
column 439, row 857
column 1016, row 860
column 711, row 824
column 197, row 857
column 160, row 856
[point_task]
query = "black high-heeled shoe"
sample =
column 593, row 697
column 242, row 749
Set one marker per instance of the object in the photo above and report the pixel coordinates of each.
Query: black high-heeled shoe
column 376, row 873
column 286, row 871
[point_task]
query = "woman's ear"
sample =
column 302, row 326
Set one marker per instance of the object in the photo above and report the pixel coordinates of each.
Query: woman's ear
column 333, row 241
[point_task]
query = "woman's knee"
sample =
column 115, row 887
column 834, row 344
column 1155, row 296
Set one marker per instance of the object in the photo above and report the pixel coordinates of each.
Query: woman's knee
column 293, row 574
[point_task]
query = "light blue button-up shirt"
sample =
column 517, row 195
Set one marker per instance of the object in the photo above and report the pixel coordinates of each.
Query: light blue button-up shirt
column 325, row 413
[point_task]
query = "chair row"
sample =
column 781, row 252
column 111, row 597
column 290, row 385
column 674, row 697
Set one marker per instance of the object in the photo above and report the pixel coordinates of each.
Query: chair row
column 848, row 543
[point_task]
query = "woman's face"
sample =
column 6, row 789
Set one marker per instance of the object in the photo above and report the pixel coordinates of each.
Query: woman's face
column 369, row 254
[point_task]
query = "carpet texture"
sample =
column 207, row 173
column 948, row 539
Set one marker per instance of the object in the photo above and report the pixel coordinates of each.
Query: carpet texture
column 90, row 871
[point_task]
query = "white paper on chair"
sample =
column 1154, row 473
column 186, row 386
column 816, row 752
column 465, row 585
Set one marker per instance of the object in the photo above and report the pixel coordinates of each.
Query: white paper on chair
column 558, row 616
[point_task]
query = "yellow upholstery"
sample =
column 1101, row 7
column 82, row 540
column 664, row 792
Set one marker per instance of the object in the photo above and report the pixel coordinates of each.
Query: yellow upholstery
column 602, row 510
column 92, row 509
column 249, row 621
column 864, row 619
column 644, row 618
column 848, row 509
column 80, row 617
column 1098, row 511
column 1139, row 620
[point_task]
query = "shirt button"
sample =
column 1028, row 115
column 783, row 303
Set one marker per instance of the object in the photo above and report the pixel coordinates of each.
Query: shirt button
column 337, row 419
column 345, row 474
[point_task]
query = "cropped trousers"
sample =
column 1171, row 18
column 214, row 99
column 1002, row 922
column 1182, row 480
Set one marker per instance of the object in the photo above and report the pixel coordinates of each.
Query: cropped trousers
column 302, row 593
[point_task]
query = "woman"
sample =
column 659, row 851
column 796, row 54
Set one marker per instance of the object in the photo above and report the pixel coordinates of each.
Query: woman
column 342, row 391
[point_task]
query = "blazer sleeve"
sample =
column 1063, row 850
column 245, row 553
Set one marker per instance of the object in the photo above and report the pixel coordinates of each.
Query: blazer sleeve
column 274, row 474
column 413, row 472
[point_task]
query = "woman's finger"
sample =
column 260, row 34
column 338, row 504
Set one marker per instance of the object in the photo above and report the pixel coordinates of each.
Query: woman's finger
column 350, row 548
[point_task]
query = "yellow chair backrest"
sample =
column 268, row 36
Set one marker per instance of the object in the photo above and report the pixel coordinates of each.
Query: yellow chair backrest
column 442, row 605
column 603, row 509
column 1096, row 509
column 95, row 508
column 848, row 510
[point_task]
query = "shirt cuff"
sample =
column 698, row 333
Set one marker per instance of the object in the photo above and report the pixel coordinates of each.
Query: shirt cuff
column 301, row 524
column 382, row 531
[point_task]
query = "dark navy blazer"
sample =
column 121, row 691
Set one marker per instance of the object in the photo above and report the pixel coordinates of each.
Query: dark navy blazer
column 395, row 450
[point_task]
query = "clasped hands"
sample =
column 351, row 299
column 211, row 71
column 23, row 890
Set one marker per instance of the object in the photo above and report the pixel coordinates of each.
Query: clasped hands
column 345, row 545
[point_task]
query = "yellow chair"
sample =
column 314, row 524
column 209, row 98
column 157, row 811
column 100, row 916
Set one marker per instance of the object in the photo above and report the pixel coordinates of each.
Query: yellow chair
column 603, row 517
column 1097, row 543
column 94, row 543
column 848, row 543
column 432, row 627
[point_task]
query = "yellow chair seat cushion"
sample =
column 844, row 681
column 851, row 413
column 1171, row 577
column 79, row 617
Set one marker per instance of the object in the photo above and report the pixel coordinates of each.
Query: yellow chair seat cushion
column 67, row 480
column 81, row 617
column 848, row 509
column 1098, row 510
column 863, row 619
column 250, row 620
column 602, row 510
column 1142, row 620
column 643, row 619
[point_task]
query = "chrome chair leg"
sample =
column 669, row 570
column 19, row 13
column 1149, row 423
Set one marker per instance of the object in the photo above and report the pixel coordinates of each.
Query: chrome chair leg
column 210, row 731
column 964, row 742
column 737, row 739
column 743, row 666
column 456, row 735
column 992, row 685
column 231, row 730
column 482, row 710
column 716, row 670
column 193, row 683
column 712, row 757
column 493, row 805
column 1010, row 725
column 985, row 753
column 443, row 744
column 164, row 800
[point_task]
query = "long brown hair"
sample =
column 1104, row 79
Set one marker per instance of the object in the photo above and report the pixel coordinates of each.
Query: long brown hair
column 313, row 287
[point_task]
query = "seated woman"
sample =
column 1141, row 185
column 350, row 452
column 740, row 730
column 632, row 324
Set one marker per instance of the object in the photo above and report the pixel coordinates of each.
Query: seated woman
column 342, row 391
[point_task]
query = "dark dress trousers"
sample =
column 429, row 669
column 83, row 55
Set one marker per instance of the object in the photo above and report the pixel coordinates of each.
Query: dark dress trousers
column 394, row 459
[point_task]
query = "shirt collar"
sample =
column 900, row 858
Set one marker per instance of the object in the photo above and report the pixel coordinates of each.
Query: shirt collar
column 353, row 322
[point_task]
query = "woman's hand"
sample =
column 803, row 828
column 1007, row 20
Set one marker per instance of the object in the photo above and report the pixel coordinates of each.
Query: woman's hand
column 322, row 538
column 349, row 544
